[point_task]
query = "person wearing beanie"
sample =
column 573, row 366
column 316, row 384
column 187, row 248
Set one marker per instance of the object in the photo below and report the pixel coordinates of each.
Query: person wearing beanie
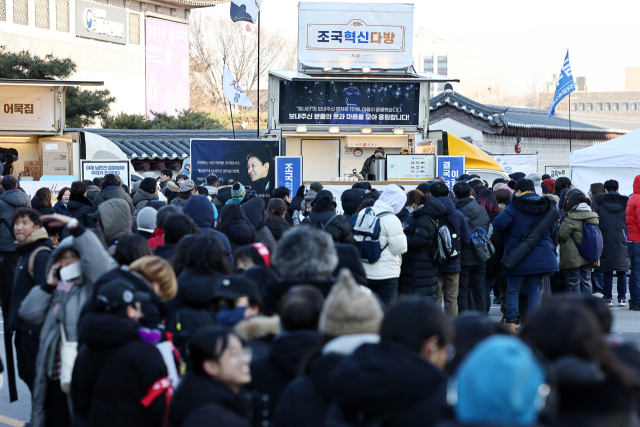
column 238, row 194
column 351, row 317
column 147, row 192
column 146, row 222
column 537, row 182
column 517, row 176
column 324, row 217
column 402, row 378
column 187, row 189
column 550, row 183
column 316, row 186
column 383, row 274
column 514, row 400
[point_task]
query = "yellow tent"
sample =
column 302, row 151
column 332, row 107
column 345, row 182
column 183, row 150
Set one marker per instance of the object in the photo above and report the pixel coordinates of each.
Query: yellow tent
column 475, row 158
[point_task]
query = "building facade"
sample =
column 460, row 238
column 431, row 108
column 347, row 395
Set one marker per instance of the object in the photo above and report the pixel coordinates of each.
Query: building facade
column 120, row 42
column 621, row 104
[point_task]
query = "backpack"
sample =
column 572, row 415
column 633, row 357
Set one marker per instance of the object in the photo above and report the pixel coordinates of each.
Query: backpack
column 449, row 245
column 32, row 258
column 591, row 246
column 481, row 241
column 323, row 226
column 186, row 322
column 366, row 232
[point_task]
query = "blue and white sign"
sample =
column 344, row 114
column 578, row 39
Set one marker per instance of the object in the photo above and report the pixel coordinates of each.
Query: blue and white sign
column 289, row 172
column 565, row 85
column 450, row 168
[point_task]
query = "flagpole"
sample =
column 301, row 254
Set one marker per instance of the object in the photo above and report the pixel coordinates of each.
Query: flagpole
column 233, row 128
column 258, row 97
column 569, row 123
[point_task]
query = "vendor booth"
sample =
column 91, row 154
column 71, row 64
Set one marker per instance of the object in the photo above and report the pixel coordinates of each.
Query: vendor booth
column 618, row 159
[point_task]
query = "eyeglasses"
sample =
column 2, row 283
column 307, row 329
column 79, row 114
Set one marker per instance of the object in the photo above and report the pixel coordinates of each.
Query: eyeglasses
column 240, row 354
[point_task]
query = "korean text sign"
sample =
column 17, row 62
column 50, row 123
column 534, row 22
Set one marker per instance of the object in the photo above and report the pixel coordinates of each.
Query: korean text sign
column 344, row 103
column 98, row 169
column 250, row 162
column 450, row 168
column 289, row 173
column 167, row 66
column 355, row 35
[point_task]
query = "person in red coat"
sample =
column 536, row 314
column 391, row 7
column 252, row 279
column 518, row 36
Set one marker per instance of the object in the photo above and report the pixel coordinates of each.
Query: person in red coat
column 633, row 239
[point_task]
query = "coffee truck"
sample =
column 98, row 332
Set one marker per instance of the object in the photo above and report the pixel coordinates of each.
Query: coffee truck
column 32, row 123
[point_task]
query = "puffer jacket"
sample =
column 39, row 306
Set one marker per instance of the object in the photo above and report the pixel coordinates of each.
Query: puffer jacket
column 572, row 225
column 140, row 200
column 351, row 199
column 109, row 193
column 79, row 207
column 419, row 273
column 394, row 242
column 254, row 209
column 338, row 228
column 455, row 217
column 9, row 202
column 476, row 216
column 115, row 218
column 633, row 212
column 610, row 208
column 46, row 305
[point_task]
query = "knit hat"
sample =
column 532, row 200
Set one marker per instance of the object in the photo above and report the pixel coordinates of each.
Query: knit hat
column 316, row 186
column 506, row 187
column 536, row 178
column 237, row 193
column 498, row 186
column 511, row 400
column 148, row 185
column 146, row 220
column 517, row 176
column 187, row 185
column 350, row 309
column 149, row 175
column 172, row 186
column 550, row 183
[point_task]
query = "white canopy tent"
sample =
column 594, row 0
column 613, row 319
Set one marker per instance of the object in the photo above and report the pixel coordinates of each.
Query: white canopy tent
column 618, row 159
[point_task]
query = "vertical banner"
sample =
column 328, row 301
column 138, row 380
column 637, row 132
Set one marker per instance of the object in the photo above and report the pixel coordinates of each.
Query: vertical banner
column 289, row 173
column 167, row 65
column 450, row 168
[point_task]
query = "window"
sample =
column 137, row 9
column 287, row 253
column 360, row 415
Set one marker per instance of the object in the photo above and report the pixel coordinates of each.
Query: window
column 625, row 105
column 632, row 106
column 442, row 65
column 607, row 106
column 589, row 107
column 42, row 14
column 3, row 10
column 20, row 12
column 580, row 107
column 598, row 107
column 134, row 28
column 614, row 106
column 428, row 64
column 62, row 15
column 574, row 107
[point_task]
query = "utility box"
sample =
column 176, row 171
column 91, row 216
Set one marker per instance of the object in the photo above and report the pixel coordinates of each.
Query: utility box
column 55, row 156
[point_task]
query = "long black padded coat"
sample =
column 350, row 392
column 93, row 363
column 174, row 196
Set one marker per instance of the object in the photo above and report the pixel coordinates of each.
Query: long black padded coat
column 611, row 208
column 419, row 275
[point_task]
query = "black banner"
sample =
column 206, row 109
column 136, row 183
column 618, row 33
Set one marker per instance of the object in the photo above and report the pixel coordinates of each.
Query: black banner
column 349, row 103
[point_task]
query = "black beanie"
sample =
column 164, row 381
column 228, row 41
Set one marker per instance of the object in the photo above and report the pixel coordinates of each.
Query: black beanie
column 148, row 185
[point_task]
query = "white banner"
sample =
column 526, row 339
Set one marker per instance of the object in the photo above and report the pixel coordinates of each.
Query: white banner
column 355, row 35
column 30, row 187
column 511, row 163
column 91, row 169
column 558, row 171
column 232, row 90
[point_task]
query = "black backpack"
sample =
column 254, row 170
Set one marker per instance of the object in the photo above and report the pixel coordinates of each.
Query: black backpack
column 186, row 322
column 449, row 244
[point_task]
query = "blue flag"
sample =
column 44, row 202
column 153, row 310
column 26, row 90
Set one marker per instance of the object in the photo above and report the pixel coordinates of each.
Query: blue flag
column 565, row 85
column 245, row 10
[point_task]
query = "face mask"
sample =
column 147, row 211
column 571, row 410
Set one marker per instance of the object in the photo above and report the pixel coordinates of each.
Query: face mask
column 411, row 209
column 230, row 316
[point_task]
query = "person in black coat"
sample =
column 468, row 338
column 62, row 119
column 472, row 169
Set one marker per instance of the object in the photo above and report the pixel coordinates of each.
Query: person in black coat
column 119, row 364
column 276, row 221
column 349, row 258
column 233, row 222
column 299, row 314
column 254, row 209
column 211, row 392
column 419, row 274
column 296, row 202
column 351, row 199
column 79, row 205
column 42, row 203
column 611, row 208
column 324, row 217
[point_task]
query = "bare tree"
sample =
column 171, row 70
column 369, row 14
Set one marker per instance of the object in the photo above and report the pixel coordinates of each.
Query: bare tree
column 215, row 42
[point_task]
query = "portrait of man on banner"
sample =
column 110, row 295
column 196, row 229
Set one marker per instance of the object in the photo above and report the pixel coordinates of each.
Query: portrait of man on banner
column 260, row 170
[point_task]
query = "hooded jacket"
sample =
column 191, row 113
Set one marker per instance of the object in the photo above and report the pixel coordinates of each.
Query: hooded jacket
column 338, row 228
column 114, row 372
column 38, row 205
column 222, row 196
column 271, row 374
column 9, row 202
column 572, row 225
column 278, row 226
column 79, row 207
column 456, row 217
column 476, row 216
column 22, row 280
column 419, row 273
column 351, row 199
column 92, row 192
column 200, row 210
column 44, row 304
column 61, row 208
column 115, row 217
column 200, row 401
column 109, row 193
column 633, row 212
column 611, row 208
column 239, row 234
column 392, row 237
column 518, row 217
column 258, row 332
column 140, row 200
column 254, row 209
column 389, row 382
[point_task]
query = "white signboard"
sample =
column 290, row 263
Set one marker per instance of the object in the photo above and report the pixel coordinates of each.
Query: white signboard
column 558, row 171
column 99, row 168
column 21, row 110
column 30, row 187
column 511, row 163
column 410, row 167
column 355, row 35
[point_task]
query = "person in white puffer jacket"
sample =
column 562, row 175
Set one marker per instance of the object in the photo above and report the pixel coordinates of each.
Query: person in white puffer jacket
column 383, row 274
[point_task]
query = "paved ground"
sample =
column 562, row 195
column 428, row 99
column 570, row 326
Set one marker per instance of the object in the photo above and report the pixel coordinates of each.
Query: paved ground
column 626, row 326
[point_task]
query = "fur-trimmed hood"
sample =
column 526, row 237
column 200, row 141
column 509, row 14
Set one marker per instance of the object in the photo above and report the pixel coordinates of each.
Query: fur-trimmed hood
column 552, row 197
column 613, row 202
column 258, row 327
column 531, row 203
column 472, row 180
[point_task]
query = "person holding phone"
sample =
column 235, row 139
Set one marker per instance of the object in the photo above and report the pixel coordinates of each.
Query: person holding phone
column 71, row 270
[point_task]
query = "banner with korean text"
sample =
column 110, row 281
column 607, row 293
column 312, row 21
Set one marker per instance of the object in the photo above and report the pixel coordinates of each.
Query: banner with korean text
column 450, row 168
column 355, row 35
column 289, row 172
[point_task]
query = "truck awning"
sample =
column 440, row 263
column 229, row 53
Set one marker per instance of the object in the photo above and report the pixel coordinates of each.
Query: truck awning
column 475, row 158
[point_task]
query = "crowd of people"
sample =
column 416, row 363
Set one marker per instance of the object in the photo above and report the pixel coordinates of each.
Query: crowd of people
column 174, row 304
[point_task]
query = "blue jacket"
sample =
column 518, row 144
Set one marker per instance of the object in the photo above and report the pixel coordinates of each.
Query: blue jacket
column 60, row 208
column 518, row 217
column 465, row 237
